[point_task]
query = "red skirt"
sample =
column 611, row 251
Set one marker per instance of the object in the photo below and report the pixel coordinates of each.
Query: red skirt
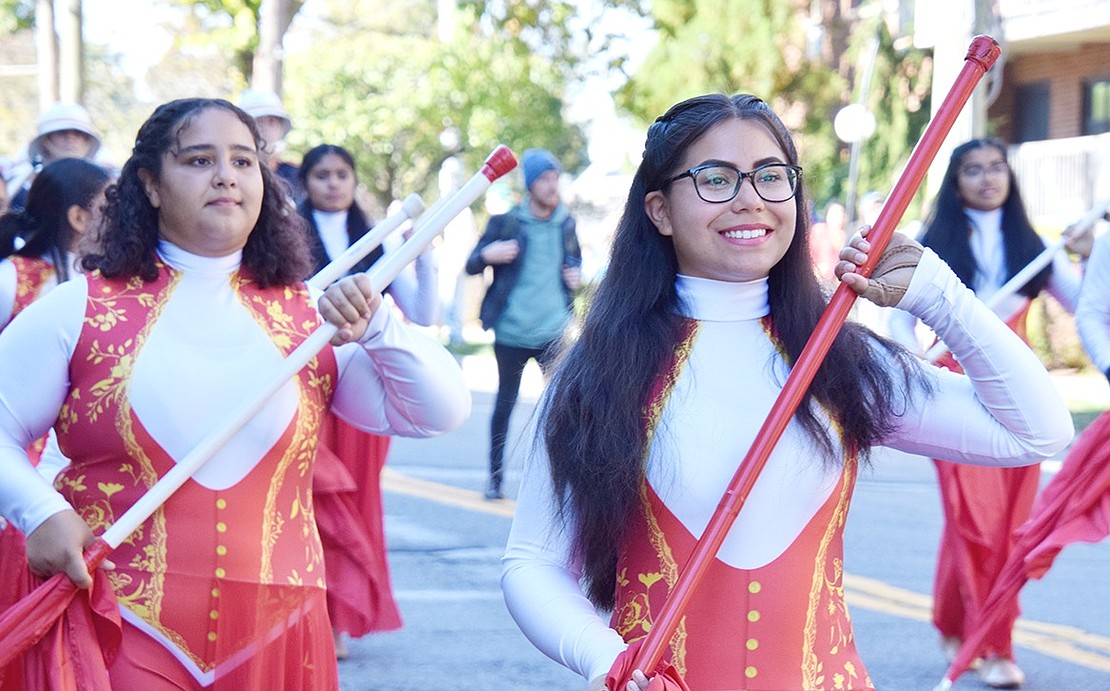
column 301, row 657
column 347, row 499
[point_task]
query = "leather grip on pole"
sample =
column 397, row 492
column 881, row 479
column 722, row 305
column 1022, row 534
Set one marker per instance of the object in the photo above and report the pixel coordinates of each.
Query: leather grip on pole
column 981, row 55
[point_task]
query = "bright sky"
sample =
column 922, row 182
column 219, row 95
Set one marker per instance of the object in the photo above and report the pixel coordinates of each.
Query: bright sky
column 130, row 27
column 133, row 29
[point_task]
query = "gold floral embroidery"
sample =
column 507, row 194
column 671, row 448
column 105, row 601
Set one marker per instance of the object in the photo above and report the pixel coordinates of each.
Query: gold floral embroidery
column 635, row 612
column 313, row 389
column 30, row 276
column 106, row 391
column 107, row 311
column 827, row 594
column 110, row 306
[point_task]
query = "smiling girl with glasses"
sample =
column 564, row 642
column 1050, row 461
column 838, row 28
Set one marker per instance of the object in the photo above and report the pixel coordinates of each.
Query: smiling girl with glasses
column 709, row 296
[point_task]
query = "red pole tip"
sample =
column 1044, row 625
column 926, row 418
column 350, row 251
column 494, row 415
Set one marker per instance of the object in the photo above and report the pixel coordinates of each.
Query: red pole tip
column 499, row 162
column 96, row 553
column 983, row 50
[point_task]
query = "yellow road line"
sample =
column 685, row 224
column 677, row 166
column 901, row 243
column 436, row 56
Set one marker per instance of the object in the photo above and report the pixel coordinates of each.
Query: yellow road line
column 392, row 481
column 1067, row 643
column 1064, row 642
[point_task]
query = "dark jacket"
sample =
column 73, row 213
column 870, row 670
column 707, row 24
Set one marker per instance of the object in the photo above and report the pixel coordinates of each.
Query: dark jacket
column 505, row 276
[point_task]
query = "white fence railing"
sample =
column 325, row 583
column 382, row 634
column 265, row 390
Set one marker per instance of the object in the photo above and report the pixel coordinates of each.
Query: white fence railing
column 1061, row 179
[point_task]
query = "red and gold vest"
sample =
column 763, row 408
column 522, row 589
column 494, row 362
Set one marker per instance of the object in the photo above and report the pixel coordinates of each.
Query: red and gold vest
column 30, row 275
column 781, row 626
column 212, row 571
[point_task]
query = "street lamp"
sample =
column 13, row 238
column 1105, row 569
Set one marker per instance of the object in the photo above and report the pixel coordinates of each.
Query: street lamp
column 853, row 124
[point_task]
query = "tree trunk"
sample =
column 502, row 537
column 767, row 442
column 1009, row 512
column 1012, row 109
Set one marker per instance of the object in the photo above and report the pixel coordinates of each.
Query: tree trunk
column 71, row 53
column 266, row 71
column 46, row 43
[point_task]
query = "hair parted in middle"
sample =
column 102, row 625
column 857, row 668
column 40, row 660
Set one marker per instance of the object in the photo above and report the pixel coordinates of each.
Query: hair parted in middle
column 946, row 229
column 275, row 253
column 593, row 417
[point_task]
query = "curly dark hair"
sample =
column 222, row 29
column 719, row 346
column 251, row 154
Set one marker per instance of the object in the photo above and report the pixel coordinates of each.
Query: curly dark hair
column 275, row 253
column 593, row 417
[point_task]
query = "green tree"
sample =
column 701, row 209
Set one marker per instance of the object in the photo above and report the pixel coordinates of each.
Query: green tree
column 16, row 15
column 731, row 46
column 761, row 47
column 389, row 96
column 230, row 24
column 899, row 98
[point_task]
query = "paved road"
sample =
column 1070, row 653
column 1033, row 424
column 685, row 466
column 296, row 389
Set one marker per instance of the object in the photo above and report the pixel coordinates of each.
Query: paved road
column 445, row 542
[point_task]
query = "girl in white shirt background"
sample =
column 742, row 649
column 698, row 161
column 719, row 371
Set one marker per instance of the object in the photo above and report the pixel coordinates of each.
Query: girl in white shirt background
column 346, row 487
column 979, row 226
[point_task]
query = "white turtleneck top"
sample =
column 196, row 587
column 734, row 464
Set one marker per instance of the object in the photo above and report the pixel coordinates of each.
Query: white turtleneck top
column 1004, row 412
column 203, row 356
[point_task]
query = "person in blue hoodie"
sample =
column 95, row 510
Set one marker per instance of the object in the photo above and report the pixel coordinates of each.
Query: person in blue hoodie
column 536, row 262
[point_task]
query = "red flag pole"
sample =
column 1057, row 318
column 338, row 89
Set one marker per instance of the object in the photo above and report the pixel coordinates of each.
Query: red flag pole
column 981, row 55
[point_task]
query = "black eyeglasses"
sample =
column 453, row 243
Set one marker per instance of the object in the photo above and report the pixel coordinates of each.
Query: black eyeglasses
column 718, row 183
column 975, row 170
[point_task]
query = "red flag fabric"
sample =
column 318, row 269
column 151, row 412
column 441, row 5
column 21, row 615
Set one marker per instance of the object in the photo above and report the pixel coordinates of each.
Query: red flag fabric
column 1073, row 507
column 59, row 637
column 77, row 650
column 347, row 499
column 664, row 678
column 15, row 583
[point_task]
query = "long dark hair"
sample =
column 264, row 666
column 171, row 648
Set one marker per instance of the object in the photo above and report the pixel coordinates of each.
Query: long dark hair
column 947, row 229
column 593, row 424
column 357, row 222
column 275, row 253
column 44, row 224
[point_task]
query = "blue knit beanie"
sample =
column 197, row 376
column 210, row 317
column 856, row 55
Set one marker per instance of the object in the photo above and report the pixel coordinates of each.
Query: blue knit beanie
column 536, row 162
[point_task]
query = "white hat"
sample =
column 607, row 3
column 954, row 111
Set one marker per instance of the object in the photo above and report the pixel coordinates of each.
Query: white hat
column 60, row 117
column 257, row 103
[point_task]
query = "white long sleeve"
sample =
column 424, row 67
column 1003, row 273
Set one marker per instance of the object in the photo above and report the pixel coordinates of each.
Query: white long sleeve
column 540, row 583
column 1006, row 411
column 1064, row 281
column 1092, row 314
column 415, row 290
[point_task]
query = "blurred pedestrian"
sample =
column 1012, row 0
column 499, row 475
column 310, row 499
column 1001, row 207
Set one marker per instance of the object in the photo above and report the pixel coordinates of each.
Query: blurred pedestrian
column 274, row 124
column 346, row 486
column 827, row 238
column 537, row 267
column 65, row 130
column 979, row 226
column 870, row 204
column 37, row 244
